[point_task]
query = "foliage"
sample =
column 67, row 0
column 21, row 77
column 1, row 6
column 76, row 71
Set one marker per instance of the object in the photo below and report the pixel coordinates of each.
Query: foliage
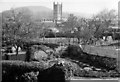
column 74, row 69
column 31, row 76
column 103, row 20
column 109, row 17
column 17, row 26
column 88, row 29
column 76, row 53
column 72, row 51
column 13, row 70
column 24, row 71
column 17, row 71
column 71, row 22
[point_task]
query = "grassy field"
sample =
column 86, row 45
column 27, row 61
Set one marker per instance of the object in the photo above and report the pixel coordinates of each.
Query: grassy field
column 102, row 51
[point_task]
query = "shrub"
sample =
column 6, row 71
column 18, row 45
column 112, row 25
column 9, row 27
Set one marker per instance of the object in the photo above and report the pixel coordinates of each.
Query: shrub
column 72, row 51
column 68, row 66
column 41, row 52
column 54, row 74
column 18, row 71
column 40, row 55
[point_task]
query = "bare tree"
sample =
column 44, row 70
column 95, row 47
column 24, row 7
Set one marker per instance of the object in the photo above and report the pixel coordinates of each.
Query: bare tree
column 16, row 26
column 71, row 22
column 84, row 31
column 108, row 17
column 102, row 21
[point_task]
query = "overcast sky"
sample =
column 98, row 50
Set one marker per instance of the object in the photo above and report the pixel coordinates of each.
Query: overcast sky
column 80, row 6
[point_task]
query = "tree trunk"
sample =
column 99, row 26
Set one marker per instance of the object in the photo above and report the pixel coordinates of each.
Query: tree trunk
column 105, row 38
column 78, row 40
column 16, row 52
column 69, row 41
column 28, row 54
column 73, row 40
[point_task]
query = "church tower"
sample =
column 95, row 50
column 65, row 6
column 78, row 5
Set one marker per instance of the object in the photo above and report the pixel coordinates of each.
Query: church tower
column 57, row 12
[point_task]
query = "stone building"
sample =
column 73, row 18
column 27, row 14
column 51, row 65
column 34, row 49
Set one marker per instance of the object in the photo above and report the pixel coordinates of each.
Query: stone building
column 57, row 12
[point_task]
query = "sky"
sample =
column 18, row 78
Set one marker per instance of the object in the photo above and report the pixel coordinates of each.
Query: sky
column 78, row 6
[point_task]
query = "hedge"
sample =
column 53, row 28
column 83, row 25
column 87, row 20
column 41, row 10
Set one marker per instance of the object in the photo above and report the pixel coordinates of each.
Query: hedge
column 18, row 71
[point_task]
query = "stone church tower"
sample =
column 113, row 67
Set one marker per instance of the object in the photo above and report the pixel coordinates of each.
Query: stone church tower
column 57, row 12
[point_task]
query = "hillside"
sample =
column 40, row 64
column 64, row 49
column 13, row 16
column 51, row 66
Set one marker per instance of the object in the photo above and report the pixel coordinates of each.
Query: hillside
column 37, row 12
column 41, row 12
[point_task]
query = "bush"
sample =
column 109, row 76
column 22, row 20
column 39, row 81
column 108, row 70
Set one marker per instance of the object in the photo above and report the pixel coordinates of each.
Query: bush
column 73, row 69
column 40, row 55
column 18, row 71
column 53, row 73
column 74, row 52
column 70, row 68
